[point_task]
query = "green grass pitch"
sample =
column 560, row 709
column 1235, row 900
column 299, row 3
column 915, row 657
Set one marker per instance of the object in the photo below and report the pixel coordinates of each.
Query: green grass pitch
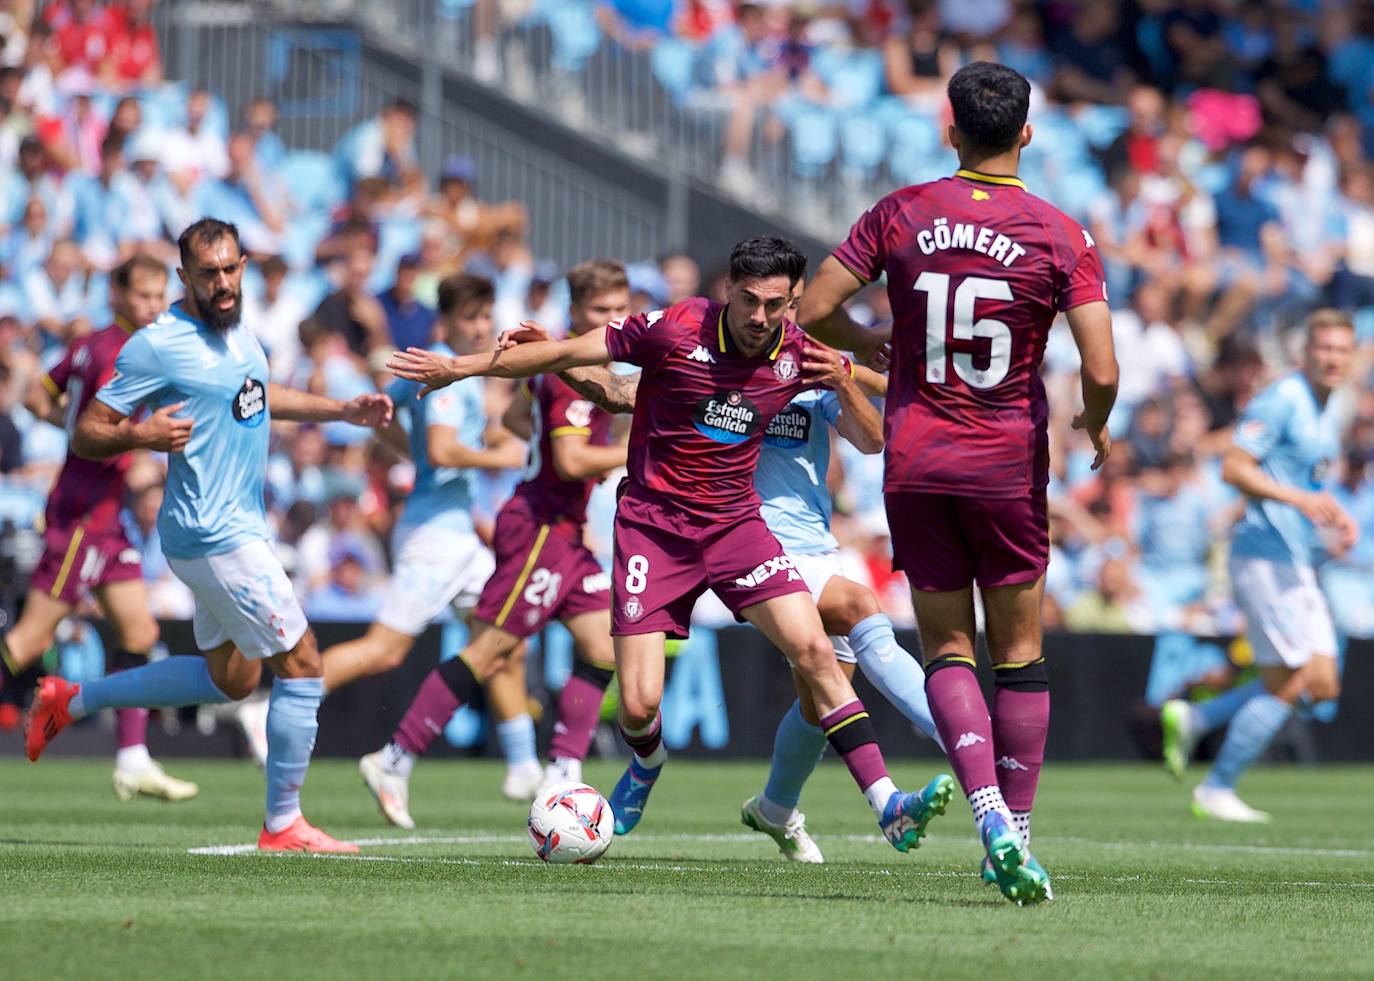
column 94, row 888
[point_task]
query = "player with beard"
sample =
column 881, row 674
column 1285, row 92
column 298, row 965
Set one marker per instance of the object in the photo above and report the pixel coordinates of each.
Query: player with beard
column 204, row 375
column 714, row 375
column 86, row 550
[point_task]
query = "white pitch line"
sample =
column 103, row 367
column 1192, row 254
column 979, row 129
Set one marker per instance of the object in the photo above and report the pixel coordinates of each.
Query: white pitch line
column 612, row 867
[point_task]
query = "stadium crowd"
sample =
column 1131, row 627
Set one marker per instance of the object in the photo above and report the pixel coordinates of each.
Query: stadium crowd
column 1216, row 150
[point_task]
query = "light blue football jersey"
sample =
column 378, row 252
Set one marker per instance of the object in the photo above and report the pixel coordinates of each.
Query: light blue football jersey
column 1295, row 439
column 214, row 497
column 442, row 495
column 791, row 474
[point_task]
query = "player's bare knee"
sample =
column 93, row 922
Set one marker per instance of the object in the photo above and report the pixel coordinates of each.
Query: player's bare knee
column 848, row 607
column 139, row 637
column 638, row 706
column 302, row 661
column 814, row 657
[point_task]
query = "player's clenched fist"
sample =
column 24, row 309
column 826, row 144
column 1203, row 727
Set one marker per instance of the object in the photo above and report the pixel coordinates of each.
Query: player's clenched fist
column 825, row 366
column 163, row 432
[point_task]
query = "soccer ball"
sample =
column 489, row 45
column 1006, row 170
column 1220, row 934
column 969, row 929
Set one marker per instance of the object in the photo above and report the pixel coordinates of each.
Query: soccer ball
column 570, row 823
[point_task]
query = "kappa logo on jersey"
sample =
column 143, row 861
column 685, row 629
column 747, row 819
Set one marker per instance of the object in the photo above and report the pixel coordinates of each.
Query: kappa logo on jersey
column 702, row 355
column 634, row 609
column 767, row 570
column 208, row 359
column 250, row 403
column 1009, row 762
column 1088, row 239
column 580, row 413
column 969, row 739
column 790, row 429
column 785, row 367
column 730, row 418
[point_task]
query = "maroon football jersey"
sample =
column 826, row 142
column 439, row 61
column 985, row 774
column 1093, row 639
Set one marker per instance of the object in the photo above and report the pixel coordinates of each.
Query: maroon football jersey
column 977, row 269
column 558, row 411
column 702, row 406
column 88, row 492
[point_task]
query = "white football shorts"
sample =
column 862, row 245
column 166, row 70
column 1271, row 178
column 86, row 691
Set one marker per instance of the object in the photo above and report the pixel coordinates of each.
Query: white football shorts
column 1285, row 610
column 433, row 567
column 243, row 596
column 817, row 570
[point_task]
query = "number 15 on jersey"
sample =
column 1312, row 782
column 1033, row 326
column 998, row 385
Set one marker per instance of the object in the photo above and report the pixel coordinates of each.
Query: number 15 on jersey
column 963, row 327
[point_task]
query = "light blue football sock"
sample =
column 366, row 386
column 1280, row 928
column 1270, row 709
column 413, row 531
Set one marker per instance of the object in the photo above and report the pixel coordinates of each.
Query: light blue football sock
column 170, row 682
column 516, row 737
column 292, row 721
column 1253, row 728
column 894, row 672
column 797, row 748
column 1216, row 712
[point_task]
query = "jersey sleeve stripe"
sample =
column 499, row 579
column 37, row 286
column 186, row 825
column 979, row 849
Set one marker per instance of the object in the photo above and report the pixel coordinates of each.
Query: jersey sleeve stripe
column 569, row 431
column 50, row 385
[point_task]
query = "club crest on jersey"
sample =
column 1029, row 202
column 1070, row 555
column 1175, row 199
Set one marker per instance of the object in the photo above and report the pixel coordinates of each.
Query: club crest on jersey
column 730, row 418
column 580, row 413
column 634, row 609
column 250, row 403
column 785, row 367
column 790, row 429
column 1319, row 471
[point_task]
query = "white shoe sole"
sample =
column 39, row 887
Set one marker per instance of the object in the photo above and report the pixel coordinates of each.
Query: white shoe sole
column 374, row 778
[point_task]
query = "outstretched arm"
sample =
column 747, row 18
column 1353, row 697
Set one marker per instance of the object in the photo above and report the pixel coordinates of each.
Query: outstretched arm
column 823, row 316
column 293, row 405
column 601, row 385
column 435, row 371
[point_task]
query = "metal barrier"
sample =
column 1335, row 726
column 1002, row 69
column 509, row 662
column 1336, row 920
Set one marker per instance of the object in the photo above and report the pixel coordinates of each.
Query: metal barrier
column 326, row 80
column 636, row 99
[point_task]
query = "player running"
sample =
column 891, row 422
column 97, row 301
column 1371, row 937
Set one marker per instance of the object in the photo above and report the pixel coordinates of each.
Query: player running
column 543, row 570
column 714, row 376
column 977, row 270
column 86, row 552
column 204, row 374
column 1284, row 441
column 796, row 506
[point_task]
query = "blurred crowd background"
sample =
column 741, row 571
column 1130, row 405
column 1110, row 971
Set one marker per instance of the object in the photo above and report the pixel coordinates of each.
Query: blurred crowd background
column 1216, row 150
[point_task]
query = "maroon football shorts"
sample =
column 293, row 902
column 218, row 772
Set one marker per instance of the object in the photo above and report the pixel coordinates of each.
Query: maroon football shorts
column 75, row 562
column 666, row 558
column 946, row 542
column 542, row 573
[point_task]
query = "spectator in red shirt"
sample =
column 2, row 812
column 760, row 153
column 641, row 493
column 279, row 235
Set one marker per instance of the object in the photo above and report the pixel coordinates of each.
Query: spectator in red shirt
column 133, row 58
column 82, row 33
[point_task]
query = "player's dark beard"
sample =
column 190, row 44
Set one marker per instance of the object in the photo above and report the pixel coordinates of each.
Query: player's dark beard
column 220, row 321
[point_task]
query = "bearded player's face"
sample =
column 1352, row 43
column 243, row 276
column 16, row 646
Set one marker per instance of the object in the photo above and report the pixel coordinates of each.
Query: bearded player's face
column 214, row 278
column 756, row 310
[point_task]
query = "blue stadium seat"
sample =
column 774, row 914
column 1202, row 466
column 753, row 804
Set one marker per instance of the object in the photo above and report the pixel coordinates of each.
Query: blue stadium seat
column 313, row 181
column 576, row 34
column 854, row 78
column 864, row 146
column 815, row 139
column 303, row 233
column 674, row 63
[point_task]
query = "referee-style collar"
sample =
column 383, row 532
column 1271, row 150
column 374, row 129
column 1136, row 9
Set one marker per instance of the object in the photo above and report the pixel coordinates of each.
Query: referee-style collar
column 726, row 341
column 973, row 175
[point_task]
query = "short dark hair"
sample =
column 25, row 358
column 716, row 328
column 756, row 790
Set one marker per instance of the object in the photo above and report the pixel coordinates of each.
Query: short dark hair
column 206, row 231
column 111, row 145
column 764, row 256
column 990, row 103
column 594, row 278
column 461, row 290
column 123, row 273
